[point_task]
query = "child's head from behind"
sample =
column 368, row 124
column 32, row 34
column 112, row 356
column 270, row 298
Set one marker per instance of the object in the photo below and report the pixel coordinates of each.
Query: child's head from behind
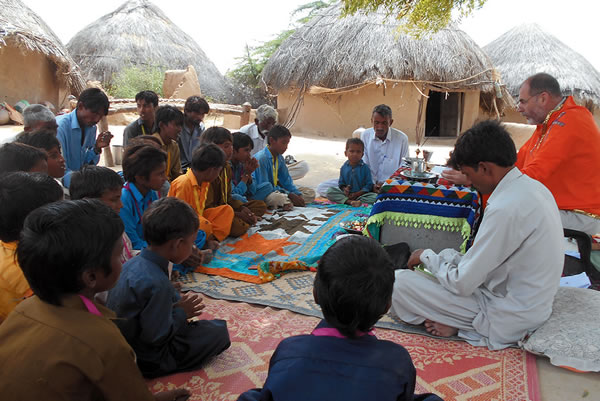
column 46, row 140
column 145, row 166
column 242, row 147
column 279, row 139
column 221, row 137
column 21, row 157
column 97, row 183
column 355, row 149
column 354, row 283
column 20, row 194
column 207, row 162
column 169, row 121
column 71, row 246
column 172, row 225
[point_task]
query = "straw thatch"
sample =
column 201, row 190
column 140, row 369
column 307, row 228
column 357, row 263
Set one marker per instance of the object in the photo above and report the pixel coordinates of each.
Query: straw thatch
column 24, row 29
column 334, row 52
column 526, row 50
column 139, row 33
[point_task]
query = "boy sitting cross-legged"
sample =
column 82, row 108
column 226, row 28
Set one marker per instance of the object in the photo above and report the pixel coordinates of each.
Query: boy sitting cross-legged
column 242, row 166
column 153, row 317
column 355, row 183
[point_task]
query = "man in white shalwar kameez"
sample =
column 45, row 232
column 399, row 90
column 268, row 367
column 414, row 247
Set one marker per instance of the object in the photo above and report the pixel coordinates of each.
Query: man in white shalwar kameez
column 503, row 287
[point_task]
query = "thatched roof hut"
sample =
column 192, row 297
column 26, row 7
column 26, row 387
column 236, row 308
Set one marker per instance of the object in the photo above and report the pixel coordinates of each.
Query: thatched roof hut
column 139, row 33
column 34, row 64
column 526, row 50
column 332, row 55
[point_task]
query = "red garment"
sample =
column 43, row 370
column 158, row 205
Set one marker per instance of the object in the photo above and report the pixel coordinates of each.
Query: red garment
column 564, row 155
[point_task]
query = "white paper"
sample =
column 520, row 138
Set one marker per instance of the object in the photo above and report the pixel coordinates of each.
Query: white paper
column 580, row 280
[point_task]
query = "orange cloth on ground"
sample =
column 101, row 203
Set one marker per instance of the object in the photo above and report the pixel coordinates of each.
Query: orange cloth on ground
column 13, row 285
column 216, row 220
column 567, row 158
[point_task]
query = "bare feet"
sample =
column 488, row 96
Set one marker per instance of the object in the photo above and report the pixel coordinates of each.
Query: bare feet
column 440, row 330
column 355, row 203
column 287, row 207
column 211, row 244
column 207, row 255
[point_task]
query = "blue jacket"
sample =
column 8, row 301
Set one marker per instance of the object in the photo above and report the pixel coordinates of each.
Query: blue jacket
column 238, row 186
column 310, row 367
column 69, row 136
column 134, row 206
column 264, row 172
column 358, row 177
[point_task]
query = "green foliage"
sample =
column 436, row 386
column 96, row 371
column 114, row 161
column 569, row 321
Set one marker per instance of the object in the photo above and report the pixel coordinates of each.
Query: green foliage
column 133, row 79
column 418, row 17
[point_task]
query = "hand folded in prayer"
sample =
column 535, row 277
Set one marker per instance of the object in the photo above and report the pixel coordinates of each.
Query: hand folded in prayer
column 246, row 215
column 456, row 177
column 250, row 165
column 415, row 259
column 297, row 200
column 191, row 304
column 103, row 139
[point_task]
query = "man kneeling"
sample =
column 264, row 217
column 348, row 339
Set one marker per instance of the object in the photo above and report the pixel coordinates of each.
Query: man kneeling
column 503, row 287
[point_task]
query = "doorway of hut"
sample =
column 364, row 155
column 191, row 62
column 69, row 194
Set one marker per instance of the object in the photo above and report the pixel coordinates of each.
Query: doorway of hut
column 443, row 116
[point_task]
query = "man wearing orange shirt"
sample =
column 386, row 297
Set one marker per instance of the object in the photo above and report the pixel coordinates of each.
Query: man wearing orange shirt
column 564, row 151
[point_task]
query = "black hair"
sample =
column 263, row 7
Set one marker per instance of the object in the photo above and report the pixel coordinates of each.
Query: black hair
column 148, row 140
column 487, row 141
column 19, row 157
column 148, row 97
column 355, row 141
column 62, row 240
column 166, row 114
column 20, row 193
column 94, row 100
column 241, row 140
column 208, row 155
column 41, row 139
column 196, row 104
column 93, row 182
column 216, row 135
column 354, row 284
column 141, row 160
column 543, row 82
column 278, row 131
column 168, row 218
column 383, row 110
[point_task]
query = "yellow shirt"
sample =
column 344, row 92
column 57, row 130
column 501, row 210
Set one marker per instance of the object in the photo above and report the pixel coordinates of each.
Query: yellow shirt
column 13, row 285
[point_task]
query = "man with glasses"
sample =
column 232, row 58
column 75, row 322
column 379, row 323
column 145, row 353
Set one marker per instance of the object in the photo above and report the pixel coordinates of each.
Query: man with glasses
column 564, row 151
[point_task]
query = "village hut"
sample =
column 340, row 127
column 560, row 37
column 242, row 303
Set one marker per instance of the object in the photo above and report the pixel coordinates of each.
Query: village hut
column 526, row 50
column 332, row 71
column 138, row 33
column 34, row 64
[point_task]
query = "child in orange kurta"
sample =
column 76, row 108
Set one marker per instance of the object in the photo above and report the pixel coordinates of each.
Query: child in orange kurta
column 192, row 187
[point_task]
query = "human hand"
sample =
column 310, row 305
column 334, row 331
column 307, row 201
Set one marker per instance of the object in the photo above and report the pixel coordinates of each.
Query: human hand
column 191, row 304
column 179, row 394
column 347, row 190
column 456, row 177
column 297, row 200
column 251, row 165
column 194, row 260
column 415, row 259
column 103, row 139
column 246, row 215
column 377, row 187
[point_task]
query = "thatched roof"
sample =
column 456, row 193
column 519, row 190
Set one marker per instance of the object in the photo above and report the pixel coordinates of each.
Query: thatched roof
column 139, row 33
column 335, row 52
column 21, row 27
column 526, row 50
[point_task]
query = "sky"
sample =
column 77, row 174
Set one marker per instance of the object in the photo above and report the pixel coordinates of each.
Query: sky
column 222, row 28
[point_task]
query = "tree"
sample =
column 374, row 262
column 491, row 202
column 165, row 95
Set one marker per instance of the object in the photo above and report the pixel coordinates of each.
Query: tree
column 418, row 17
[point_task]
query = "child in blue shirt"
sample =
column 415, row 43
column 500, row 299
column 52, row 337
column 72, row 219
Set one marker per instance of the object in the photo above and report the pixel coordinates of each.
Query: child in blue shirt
column 153, row 317
column 244, row 188
column 355, row 184
column 342, row 359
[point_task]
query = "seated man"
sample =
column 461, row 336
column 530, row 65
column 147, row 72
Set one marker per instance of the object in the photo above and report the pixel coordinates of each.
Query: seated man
column 147, row 102
column 38, row 117
column 503, row 287
column 194, row 110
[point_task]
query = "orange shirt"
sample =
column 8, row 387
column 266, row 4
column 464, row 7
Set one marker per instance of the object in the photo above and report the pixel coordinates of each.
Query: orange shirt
column 13, row 285
column 186, row 188
column 564, row 155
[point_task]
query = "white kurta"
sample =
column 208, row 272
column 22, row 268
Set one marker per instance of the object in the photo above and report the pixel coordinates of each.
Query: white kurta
column 504, row 286
column 384, row 157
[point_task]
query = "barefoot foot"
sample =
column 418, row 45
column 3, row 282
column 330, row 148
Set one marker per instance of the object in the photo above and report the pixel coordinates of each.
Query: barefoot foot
column 355, row 203
column 440, row 330
column 207, row 255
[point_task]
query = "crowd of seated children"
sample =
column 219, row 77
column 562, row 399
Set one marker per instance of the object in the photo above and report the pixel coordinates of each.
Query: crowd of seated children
column 22, row 157
column 219, row 192
column 272, row 169
column 60, row 344
column 342, row 359
column 144, row 169
column 153, row 317
column 244, row 188
column 355, row 184
column 20, row 193
column 192, row 187
column 169, row 121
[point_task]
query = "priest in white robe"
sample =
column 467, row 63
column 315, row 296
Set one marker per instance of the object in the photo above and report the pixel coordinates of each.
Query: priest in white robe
column 503, row 287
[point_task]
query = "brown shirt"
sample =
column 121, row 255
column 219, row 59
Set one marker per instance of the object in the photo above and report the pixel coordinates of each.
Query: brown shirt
column 53, row 352
column 219, row 192
column 173, row 157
